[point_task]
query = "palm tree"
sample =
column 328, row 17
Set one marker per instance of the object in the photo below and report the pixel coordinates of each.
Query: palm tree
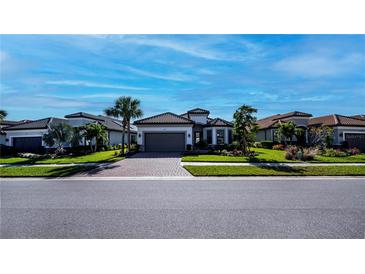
column 94, row 131
column 245, row 126
column 126, row 108
column 133, row 111
column 58, row 134
column 3, row 114
column 117, row 112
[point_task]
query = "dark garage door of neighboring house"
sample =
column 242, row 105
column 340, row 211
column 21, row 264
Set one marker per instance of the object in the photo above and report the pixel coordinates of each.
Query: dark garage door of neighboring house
column 164, row 142
column 356, row 140
column 27, row 144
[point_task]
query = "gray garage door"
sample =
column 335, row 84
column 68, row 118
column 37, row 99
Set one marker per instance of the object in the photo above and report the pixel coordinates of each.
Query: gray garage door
column 356, row 140
column 28, row 144
column 164, row 142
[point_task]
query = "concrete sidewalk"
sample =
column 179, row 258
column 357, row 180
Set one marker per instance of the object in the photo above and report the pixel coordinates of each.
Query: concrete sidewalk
column 268, row 164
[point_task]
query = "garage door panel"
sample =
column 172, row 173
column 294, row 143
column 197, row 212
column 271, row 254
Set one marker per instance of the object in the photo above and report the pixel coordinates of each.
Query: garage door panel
column 27, row 144
column 164, row 142
column 356, row 140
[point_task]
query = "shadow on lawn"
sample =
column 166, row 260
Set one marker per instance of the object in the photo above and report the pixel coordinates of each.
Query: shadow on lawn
column 283, row 168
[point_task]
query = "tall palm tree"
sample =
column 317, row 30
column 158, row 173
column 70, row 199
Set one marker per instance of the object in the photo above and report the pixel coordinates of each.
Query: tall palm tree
column 127, row 108
column 117, row 112
column 3, row 114
column 133, row 111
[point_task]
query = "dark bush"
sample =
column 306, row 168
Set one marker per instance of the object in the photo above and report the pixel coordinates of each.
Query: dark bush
column 267, row 144
column 188, row 147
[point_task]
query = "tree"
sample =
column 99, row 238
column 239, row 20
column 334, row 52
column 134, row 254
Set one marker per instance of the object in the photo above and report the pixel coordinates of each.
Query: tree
column 299, row 133
column 58, row 135
column 321, row 136
column 117, row 112
column 286, row 130
column 245, row 126
column 127, row 108
column 3, row 114
column 76, row 136
column 95, row 132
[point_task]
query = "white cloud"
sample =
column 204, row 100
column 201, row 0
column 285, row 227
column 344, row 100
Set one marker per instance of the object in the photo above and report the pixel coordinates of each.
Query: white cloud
column 320, row 65
column 173, row 77
column 92, row 84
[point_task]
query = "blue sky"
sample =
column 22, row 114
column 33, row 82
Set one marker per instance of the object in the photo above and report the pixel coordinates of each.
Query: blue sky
column 54, row 75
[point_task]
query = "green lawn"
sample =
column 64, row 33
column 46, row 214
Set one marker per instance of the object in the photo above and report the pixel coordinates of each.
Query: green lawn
column 264, row 155
column 276, row 171
column 97, row 157
column 348, row 159
column 269, row 156
column 42, row 171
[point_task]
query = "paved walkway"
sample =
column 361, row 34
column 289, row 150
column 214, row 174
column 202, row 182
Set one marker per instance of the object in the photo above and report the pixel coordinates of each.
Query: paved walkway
column 143, row 164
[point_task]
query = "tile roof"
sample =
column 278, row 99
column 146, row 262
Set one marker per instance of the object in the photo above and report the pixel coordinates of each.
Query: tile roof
column 337, row 120
column 109, row 122
column 85, row 115
column 271, row 121
column 359, row 116
column 164, row 118
column 37, row 124
column 219, row 122
column 198, row 111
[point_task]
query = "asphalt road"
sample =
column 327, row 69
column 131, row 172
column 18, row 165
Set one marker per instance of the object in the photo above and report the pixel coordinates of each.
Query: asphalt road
column 290, row 208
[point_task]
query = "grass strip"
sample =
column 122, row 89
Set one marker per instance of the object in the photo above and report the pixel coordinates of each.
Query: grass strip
column 276, row 171
column 39, row 171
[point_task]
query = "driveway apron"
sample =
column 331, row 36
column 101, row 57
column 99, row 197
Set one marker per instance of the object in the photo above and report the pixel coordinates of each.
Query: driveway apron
column 145, row 164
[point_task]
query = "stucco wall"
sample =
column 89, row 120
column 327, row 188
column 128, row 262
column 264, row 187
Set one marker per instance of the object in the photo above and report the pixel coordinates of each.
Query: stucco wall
column 340, row 132
column 198, row 118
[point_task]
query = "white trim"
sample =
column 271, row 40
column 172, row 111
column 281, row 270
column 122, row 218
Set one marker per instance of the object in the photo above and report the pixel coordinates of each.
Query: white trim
column 346, row 132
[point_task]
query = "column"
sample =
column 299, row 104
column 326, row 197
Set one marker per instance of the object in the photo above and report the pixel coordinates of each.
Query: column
column 214, row 136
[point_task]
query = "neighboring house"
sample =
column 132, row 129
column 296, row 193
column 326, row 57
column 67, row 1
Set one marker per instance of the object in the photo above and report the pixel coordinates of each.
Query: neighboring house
column 172, row 132
column 28, row 136
column 7, row 123
column 268, row 125
column 345, row 128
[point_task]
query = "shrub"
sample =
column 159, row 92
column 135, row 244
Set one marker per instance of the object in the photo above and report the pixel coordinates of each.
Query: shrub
column 35, row 156
column 236, row 152
column 267, row 144
column 202, row 144
column 278, row 147
column 257, row 144
column 354, row 151
column 224, row 152
column 188, row 147
column 102, row 149
column 309, row 153
column 330, row 152
column 119, row 146
column 291, row 153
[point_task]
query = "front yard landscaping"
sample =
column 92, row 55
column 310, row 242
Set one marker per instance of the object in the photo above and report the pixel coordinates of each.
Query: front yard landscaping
column 276, row 171
column 42, row 171
column 270, row 156
column 96, row 157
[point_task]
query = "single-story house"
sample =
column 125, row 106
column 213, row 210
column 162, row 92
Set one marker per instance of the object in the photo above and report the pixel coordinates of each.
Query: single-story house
column 172, row 132
column 27, row 137
column 268, row 125
column 345, row 128
column 7, row 123
column 350, row 129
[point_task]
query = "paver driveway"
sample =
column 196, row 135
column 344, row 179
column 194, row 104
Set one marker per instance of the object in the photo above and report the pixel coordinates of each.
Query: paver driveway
column 145, row 164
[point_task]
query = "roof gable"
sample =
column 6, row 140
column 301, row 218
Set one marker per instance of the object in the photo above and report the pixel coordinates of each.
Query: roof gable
column 198, row 111
column 219, row 122
column 164, row 118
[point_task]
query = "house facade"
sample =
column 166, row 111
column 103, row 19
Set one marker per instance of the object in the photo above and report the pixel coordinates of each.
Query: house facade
column 349, row 129
column 28, row 136
column 172, row 132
